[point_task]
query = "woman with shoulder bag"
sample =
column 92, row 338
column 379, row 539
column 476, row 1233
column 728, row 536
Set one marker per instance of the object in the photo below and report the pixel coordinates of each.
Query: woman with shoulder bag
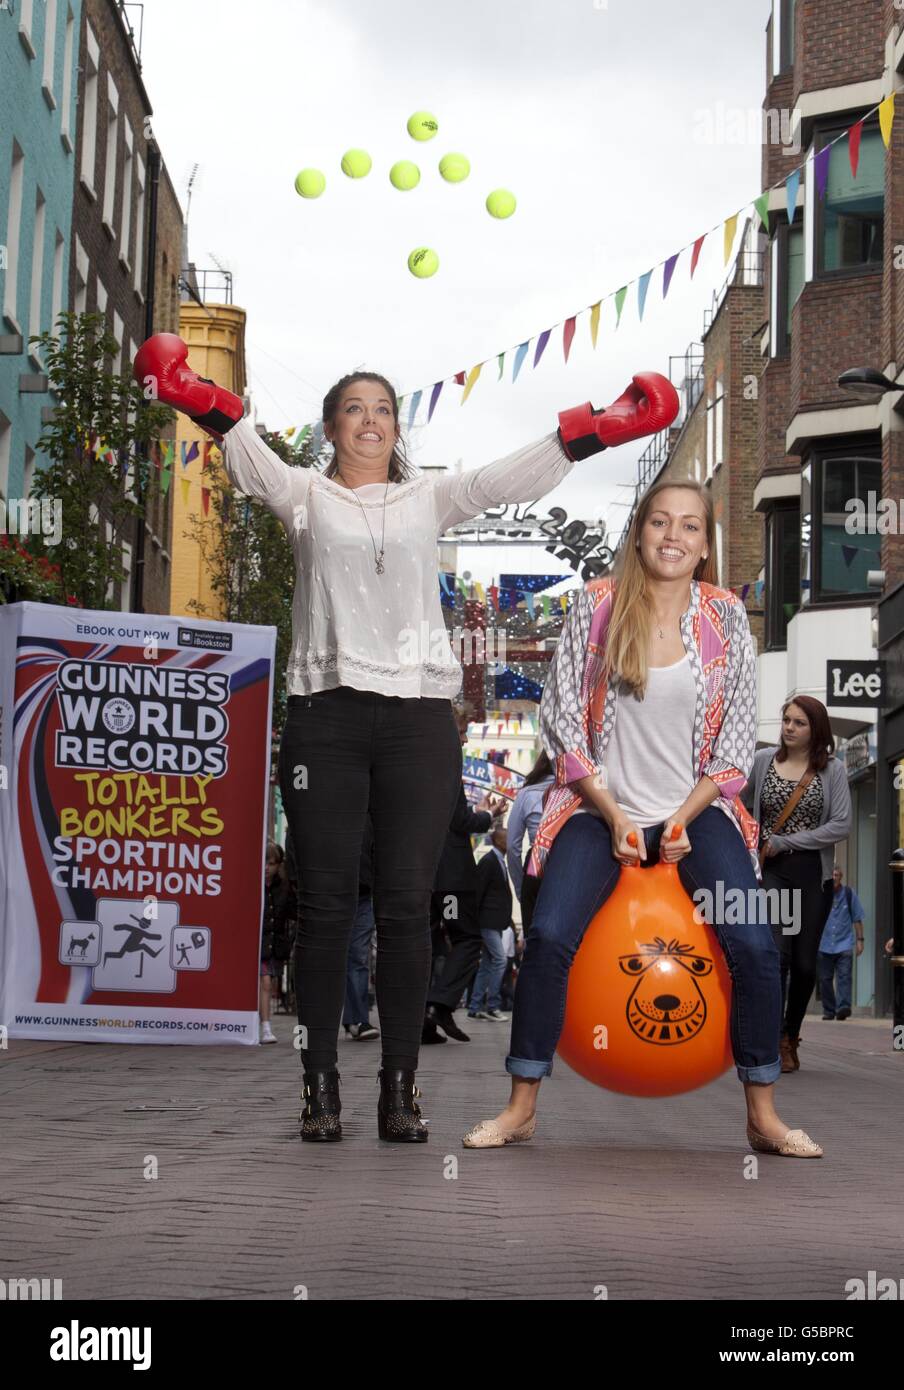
column 798, row 792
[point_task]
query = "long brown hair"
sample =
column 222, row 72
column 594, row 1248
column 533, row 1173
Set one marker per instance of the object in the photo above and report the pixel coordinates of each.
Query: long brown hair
column 400, row 468
column 822, row 740
column 629, row 626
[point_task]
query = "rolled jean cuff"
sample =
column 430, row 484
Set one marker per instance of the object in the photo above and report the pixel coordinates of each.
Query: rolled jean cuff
column 761, row 1076
column 522, row 1066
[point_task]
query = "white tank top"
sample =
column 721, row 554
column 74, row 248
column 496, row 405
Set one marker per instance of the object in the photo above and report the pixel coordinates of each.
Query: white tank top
column 649, row 756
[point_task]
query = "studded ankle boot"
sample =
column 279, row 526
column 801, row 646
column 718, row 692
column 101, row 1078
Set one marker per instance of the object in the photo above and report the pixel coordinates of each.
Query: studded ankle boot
column 320, row 1112
column 398, row 1113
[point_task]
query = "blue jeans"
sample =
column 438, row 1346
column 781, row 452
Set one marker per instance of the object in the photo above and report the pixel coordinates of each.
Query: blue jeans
column 488, row 980
column 829, row 962
column 579, row 876
column 357, row 978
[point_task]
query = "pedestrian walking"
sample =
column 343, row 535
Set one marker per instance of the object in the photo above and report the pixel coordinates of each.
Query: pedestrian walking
column 524, row 817
column 842, row 936
column 798, row 792
column 494, row 915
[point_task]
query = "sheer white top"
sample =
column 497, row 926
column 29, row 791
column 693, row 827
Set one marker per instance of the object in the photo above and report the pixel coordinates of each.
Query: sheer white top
column 649, row 761
column 350, row 625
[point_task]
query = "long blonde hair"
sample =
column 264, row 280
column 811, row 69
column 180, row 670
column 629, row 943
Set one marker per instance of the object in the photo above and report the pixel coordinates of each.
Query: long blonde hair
column 628, row 636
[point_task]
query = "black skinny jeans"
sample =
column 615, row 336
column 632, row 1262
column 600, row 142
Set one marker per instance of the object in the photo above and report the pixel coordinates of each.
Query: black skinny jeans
column 801, row 869
column 344, row 752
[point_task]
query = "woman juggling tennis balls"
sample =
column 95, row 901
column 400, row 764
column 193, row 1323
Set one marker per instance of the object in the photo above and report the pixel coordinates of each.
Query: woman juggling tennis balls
column 372, row 727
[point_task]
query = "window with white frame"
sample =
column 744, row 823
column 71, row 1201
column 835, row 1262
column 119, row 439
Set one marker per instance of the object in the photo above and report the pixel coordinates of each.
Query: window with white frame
column 125, row 590
column 37, row 268
column 89, row 111
column 101, row 296
column 110, row 170
column 783, row 14
column 56, row 304
column 13, row 236
column 81, row 278
column 26, row 24
column 126, row 219
column 139, row 222
column 118, row 338
column 719, row 553
column 65, row 113
column 715, row 416
column 28, row 474
column 50, row 26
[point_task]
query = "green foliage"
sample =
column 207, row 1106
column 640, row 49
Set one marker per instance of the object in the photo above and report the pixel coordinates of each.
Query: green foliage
column 249, row 560
column 93, row 404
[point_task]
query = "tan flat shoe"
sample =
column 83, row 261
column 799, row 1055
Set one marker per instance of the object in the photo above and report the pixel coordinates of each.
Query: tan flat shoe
column 796, row 1144
column 490, row 1135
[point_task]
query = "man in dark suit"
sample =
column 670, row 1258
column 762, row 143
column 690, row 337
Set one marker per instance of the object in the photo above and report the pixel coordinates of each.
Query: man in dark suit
column 494, row 913
column 454, row 912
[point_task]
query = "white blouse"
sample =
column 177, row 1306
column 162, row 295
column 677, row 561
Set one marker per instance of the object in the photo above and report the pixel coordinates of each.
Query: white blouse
column 351, row 626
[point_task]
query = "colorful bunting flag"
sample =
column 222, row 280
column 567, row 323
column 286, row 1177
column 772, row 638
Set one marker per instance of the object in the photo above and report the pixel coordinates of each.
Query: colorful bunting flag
column 620, row 296
column 501, row 361
column 731, row 228
column 643, row 285
column 762, row 206
column 792, row 186
column 413, row 408
column 459, row 378
column 695, row 255
column 184, row 485
column 854, row 135
column 472, row 377
column 594, row 321
column 520, row 355
column 434, row 397
column 568, row 335
column 205, row 499
column 541, row 345
column 886, row 117
column 668, row 272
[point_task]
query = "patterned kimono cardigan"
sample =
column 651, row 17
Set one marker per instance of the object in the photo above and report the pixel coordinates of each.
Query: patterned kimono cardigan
column 578, row 706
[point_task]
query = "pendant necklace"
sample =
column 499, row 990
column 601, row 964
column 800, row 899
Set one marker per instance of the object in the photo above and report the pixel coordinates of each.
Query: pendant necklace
column 378, row 559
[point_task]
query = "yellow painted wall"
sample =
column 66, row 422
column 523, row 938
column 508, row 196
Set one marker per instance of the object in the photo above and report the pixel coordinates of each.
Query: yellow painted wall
column 215, row 335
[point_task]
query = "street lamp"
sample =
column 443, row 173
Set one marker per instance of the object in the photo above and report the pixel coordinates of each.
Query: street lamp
column 867, row 382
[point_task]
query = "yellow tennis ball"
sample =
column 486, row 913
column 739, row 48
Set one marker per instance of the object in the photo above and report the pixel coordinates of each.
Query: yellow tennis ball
column 423, row 262
column 404, row 175
column 422, row 125
column 501, row 203
column 454, row 167
column 356, row 163
column 310, row 183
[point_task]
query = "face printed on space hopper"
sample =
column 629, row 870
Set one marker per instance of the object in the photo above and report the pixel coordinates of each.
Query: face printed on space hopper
column 666, row 1005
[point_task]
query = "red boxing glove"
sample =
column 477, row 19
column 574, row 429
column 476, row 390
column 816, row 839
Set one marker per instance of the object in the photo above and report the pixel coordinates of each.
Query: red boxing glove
column 649, row 405
column 162, row 359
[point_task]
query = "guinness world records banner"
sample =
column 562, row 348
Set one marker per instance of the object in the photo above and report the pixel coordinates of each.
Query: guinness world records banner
column 135, row 760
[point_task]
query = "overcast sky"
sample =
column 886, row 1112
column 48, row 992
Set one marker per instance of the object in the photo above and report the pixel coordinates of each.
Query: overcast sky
column 597, row 114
